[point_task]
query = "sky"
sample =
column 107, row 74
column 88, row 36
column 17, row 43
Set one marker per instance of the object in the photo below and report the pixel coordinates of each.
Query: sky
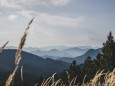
column 57, row 22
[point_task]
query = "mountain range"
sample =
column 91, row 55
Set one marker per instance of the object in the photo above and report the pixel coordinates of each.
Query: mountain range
column 56, row 54
column 33, row 65
column 66, row 54
column 62, row 49
column 80, row 59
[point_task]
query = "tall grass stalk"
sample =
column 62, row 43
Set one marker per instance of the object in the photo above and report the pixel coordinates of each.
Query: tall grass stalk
column 11, row 77
column 18, row 54
column 2, row 48
column 22, row 42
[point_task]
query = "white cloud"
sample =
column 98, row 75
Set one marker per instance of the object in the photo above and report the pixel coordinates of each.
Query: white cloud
column 60, row 2
column 23, row 4
column 10, row 3
column 54, row 20
column 12, row 17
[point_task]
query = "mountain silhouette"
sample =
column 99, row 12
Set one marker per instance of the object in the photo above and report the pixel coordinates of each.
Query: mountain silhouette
column 33, row 66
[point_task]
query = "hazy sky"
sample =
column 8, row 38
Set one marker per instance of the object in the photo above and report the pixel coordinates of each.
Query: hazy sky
column 57, row 22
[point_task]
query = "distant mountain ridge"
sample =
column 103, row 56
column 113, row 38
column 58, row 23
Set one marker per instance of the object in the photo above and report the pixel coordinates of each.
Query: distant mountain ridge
column 59, row 52
column 75, row 51
column 33, row 65
column 51, row 53
column 56, row 54
column 80, row 59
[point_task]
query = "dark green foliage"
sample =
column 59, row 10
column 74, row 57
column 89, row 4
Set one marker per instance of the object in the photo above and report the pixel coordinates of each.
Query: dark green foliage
column 64, row 77
column 108, row 51
column 89, row 68
column 72, row 70
column 98, row 60
column 70, row 73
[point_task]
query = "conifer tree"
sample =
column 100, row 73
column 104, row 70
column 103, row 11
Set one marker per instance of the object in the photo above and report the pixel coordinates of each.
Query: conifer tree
column 108, row 53
column 89, row 67
column 72, row 70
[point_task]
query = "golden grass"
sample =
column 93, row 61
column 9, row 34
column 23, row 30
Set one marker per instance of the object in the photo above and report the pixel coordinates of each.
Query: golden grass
column 18, row 54
column 109, row 80
column 96, row 79
column 22, row 42
column 2, row 48
column 11, row 77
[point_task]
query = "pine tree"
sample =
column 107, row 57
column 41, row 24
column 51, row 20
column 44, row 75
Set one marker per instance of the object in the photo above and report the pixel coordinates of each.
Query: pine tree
column 108, row 51
column 112, row 59
column 72, row 70
column 89, row 68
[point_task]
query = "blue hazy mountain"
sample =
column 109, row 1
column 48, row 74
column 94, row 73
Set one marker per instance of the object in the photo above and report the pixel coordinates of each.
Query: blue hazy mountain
column 56, row 54
column 53, row 47
column 80, row 59
column 75, row 51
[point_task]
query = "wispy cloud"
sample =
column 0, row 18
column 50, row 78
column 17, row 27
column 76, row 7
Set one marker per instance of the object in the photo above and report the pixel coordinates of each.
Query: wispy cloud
column 10, row 3
column 23, row 4
column 55, row 20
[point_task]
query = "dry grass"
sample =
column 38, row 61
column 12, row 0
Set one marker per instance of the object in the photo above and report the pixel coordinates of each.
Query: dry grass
column 109, row 80
column 96, row 79
column 18, row 54
column 22, row 42
column 50, row 81
column 2, row 48
column 11, row 77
